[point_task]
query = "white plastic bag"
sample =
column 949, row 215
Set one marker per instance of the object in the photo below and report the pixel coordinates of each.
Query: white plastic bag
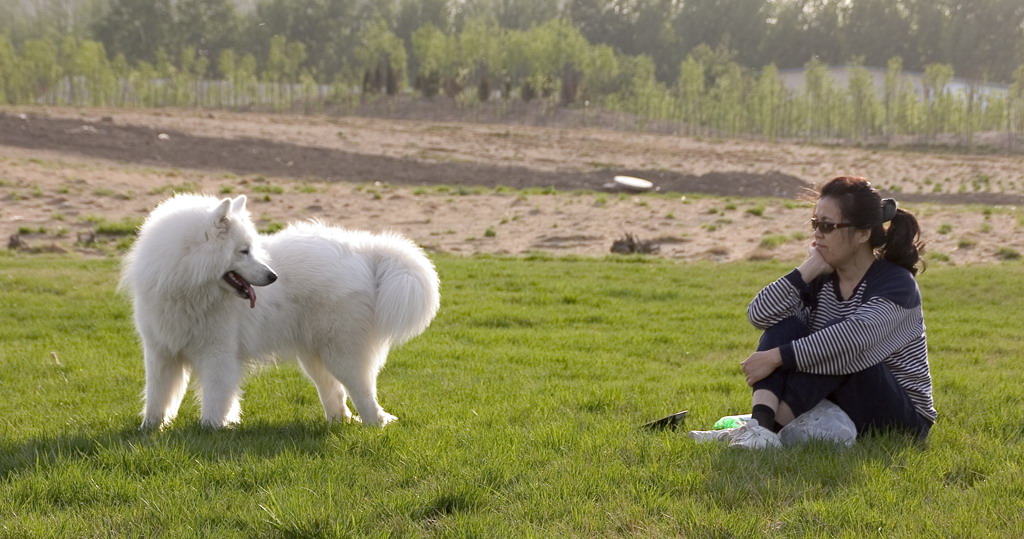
column 826, row 421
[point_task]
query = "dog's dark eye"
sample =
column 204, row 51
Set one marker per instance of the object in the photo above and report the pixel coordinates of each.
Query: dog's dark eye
column 245, row 251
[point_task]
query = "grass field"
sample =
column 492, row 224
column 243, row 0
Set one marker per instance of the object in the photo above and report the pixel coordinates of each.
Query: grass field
column 518, row 417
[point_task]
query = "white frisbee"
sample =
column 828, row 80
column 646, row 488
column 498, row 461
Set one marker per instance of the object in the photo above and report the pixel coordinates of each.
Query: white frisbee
column 636, row 184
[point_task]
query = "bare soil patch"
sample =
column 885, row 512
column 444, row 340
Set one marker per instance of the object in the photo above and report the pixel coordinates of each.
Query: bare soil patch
column 477, row 188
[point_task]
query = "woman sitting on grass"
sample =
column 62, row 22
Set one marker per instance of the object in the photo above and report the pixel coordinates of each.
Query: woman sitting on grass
column 846, row 325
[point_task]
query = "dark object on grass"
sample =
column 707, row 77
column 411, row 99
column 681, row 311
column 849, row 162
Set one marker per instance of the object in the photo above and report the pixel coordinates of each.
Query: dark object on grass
column 15, row 243
column 671, row 422
column 632, row 244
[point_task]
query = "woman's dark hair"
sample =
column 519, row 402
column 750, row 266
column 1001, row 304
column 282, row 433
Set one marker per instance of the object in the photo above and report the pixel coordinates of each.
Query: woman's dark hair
column 862, row 206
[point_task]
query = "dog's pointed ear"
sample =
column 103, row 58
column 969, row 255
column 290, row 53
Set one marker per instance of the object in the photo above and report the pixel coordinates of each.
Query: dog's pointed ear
column 238, row 204
column 220, row 214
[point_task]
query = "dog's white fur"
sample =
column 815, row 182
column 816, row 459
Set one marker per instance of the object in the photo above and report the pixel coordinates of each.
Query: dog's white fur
column 337, row 299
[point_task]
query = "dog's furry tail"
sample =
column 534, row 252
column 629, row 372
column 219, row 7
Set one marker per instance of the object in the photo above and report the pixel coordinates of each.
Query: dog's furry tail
column 408, row 295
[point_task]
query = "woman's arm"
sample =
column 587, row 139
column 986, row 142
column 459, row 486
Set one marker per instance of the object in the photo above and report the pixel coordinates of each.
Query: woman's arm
column 814, row 266
column 875, row 331
column 785, row 297
column 777, row 301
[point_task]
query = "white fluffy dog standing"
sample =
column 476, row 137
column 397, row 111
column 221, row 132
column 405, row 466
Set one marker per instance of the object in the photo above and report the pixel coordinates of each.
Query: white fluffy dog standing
column 336, row 299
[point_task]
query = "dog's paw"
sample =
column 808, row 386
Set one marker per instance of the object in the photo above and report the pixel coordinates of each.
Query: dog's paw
column 342, row 415
column 150, row 424
column 382, row 419
column 214, row 424
column 343, row 419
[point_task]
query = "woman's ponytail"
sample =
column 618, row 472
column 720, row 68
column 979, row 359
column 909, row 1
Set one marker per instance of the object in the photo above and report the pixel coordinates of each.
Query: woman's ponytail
column 903, row 245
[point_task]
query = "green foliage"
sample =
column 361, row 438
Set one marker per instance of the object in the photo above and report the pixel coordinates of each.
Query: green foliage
column 125, row 227
column 709, row 68
column 284, row 59
column 757, row 211
column 137, row 28
column 772, row 241
column 436, row 55
column 518, row 414
column 267, row 189
column 91, row 76
column 981, row 39
column 865, row 113
column 939, row 100
column 40, row 69
column 8, row 78
column 383, row 57
column 271, row 227
column 1008, row 253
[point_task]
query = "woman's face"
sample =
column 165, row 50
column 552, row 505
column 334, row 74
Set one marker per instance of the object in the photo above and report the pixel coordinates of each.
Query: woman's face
column 841, row 244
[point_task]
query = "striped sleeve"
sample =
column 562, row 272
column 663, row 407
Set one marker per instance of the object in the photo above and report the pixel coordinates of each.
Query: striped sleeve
column 877, row 330
column 910, row 368
column 778, row 301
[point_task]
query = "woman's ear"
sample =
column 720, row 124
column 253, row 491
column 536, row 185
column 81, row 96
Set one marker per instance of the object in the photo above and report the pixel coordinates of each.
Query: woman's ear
column 862, row 235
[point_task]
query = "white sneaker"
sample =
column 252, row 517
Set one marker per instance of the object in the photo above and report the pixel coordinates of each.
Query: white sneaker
column 754, row 436
column 707, row 436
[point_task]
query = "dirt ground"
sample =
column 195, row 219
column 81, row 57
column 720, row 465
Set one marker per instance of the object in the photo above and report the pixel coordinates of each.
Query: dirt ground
column 67, row 174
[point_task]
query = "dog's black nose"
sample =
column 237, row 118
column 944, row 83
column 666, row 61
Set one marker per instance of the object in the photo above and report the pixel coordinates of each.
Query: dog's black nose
column 271, row 277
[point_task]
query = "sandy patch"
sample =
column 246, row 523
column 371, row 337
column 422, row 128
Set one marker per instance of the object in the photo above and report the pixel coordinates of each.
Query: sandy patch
column 58, row 196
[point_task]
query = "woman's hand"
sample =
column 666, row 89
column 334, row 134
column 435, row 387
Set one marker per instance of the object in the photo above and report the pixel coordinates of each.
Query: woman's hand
column 814, row 266
column 759, row 365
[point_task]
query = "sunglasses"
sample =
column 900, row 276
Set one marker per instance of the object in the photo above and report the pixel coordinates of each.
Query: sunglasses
column 827, row 228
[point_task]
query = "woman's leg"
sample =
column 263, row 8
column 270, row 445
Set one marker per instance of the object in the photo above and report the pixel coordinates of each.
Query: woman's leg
column 874, row 400
column 767, row 406
column 766, row 392
column 783, row 413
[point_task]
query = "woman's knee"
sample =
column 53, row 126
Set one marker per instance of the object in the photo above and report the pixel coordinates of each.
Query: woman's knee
column 774, row 382
column 785, row 331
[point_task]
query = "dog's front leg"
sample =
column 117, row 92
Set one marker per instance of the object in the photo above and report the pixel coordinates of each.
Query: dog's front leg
column 221, row 376
column 166, row 382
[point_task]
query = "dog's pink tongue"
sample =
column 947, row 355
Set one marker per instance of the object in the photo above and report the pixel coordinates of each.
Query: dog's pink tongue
column 252, row 294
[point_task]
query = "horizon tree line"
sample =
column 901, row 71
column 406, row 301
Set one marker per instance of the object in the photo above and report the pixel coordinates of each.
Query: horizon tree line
column 981, row 39
column 428, row 50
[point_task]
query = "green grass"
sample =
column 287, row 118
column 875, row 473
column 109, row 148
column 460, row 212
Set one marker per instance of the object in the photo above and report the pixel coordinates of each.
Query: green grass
column 173, row 189
column 756, row 211
column 271, row 227
column 1008, row 253
column 518, row 411
column 267, row 189
column 771, row 241
column 129, row 226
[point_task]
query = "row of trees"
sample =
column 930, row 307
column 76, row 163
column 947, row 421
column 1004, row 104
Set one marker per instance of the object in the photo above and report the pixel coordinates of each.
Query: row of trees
column 981, row 39
column 551, row 63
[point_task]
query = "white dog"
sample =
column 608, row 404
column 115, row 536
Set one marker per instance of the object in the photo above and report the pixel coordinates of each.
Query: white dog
column 336, row 299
